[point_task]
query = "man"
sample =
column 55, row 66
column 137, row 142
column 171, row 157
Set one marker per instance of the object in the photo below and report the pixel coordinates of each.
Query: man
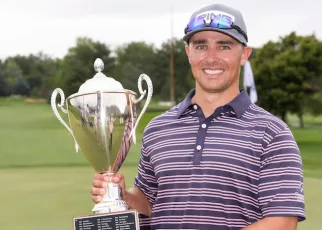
column 216, row 161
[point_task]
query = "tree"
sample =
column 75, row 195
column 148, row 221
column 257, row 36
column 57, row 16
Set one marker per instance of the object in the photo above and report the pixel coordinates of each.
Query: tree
column 4, row 90
column 3, row 83
column 21, row 87
column 183, row 79
column 77, row 65
column 11, row 72
column 311, row 50
column 132, row 60
column 284, row 72
column 38, row 70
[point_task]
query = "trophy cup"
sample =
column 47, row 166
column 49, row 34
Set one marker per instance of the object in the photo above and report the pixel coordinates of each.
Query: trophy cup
column 103, row 120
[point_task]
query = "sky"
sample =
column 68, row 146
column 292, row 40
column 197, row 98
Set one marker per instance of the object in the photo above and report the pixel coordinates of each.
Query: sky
column 52, row 26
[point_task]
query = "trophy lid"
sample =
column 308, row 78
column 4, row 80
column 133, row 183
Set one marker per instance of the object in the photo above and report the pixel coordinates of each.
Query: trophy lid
column 100, row 82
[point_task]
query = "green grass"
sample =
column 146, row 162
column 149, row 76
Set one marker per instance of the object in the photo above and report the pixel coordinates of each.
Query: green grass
column 313, row 202
column 308, row 120
column 30, row 136
column 45, row 183
column 310, row 144
column 47, row 198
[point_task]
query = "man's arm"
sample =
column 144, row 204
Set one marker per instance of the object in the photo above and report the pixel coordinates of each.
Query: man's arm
column 137, row 200
column 274, row 223
column 280, row 191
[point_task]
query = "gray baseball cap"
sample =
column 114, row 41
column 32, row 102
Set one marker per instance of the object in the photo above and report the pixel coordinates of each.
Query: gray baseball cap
column 222, row 14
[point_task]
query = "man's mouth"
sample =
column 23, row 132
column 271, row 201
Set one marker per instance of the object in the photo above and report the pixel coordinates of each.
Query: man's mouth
column 213, row 71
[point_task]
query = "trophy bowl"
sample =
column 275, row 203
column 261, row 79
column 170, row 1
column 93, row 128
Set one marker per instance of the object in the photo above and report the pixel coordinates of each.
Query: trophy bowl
column 102, row 120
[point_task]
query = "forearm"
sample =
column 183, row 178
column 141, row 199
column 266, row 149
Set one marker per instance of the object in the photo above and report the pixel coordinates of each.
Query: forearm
column 274, row 223
column 136, row 199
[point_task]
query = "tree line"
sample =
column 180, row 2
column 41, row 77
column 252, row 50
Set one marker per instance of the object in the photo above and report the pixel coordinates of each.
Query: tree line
column 288, row 72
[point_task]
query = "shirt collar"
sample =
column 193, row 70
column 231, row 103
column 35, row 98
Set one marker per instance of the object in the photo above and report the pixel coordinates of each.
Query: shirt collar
column 185, row 103
column 239, row 103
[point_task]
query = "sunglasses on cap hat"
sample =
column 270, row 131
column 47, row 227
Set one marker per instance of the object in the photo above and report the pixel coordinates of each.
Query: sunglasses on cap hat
column 217, row 22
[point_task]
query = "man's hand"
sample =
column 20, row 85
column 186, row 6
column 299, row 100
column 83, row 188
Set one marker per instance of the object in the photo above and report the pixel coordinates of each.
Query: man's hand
column 134, row 197
column 100, row 181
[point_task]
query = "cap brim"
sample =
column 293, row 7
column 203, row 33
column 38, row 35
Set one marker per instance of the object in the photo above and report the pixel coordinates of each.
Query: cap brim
column 230, row 32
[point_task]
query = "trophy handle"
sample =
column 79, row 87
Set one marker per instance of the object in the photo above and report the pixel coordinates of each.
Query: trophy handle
column 147, row 79
column 61, row 106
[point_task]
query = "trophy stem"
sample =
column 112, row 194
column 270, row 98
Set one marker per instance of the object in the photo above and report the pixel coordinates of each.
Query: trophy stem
column 112, row 201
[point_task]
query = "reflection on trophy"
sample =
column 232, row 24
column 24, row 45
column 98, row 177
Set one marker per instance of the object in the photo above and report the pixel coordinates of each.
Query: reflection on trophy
column 103, row 120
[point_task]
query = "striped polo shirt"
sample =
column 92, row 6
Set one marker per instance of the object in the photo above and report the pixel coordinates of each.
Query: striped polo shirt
column 226, row 171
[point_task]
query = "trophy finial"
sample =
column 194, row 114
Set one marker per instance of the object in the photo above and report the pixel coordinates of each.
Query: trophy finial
column 98, row 65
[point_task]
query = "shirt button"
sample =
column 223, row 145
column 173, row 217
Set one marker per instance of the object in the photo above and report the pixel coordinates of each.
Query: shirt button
column 198, row 147
column 195, row 107
column 203, row 126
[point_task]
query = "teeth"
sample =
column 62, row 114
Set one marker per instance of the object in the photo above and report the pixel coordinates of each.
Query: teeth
column 211, row 71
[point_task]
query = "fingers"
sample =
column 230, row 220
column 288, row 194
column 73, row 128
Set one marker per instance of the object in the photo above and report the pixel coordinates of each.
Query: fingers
column 100, row 184
column 98, row 190
column 97, row 199
column 98, row 193
column 99, row 176
column 104, row 177
column 117, row 178
column 99, row 187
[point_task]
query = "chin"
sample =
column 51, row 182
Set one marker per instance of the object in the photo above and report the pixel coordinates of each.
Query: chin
column 213, row 89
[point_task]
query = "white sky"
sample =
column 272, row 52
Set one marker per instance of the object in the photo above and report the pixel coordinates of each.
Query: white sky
column 52, row 26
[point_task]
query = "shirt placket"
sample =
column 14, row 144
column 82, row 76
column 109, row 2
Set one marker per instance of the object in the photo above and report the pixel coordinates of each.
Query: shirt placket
column 204, row 123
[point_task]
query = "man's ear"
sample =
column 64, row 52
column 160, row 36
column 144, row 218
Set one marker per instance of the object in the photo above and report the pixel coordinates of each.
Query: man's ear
column 187, row 52
column 245, row 55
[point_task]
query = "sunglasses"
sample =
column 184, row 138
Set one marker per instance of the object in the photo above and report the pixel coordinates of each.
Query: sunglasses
column 217, row 21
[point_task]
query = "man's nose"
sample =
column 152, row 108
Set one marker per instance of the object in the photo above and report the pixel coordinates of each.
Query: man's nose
column 211, row 56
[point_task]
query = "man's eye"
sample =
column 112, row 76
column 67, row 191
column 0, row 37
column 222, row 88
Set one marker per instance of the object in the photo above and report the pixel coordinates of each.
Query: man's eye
column 201, row 47
column 225, row 47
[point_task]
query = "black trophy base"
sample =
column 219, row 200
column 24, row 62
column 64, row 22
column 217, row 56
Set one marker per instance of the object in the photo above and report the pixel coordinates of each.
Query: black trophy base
column 126, row 220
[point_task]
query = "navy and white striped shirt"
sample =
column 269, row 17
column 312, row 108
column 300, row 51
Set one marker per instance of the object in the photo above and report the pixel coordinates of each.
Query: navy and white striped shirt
column 226, row 171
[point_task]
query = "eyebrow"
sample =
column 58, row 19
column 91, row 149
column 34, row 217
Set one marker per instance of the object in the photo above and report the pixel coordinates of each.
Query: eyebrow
column 204, row 41
column 199, row 41
column 225, row 42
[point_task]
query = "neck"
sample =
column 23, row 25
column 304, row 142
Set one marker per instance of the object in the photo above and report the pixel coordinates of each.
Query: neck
column 209, row 101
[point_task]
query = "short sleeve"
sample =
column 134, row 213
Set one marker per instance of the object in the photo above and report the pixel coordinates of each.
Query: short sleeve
column 146, row 182
column 281, row 178
column 145, row 179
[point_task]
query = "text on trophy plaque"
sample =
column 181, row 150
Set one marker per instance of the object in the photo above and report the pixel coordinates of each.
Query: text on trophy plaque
column 113, row 221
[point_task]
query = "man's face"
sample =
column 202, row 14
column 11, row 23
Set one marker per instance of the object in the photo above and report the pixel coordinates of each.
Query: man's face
column 215, row 60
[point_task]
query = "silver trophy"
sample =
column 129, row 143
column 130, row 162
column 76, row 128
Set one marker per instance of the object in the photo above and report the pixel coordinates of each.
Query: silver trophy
column 102, row 120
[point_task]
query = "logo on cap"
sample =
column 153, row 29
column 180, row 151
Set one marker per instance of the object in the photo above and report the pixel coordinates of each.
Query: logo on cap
column 218, row 17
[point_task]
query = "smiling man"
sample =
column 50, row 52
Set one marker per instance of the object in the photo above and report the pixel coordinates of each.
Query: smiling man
column 216, row 161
